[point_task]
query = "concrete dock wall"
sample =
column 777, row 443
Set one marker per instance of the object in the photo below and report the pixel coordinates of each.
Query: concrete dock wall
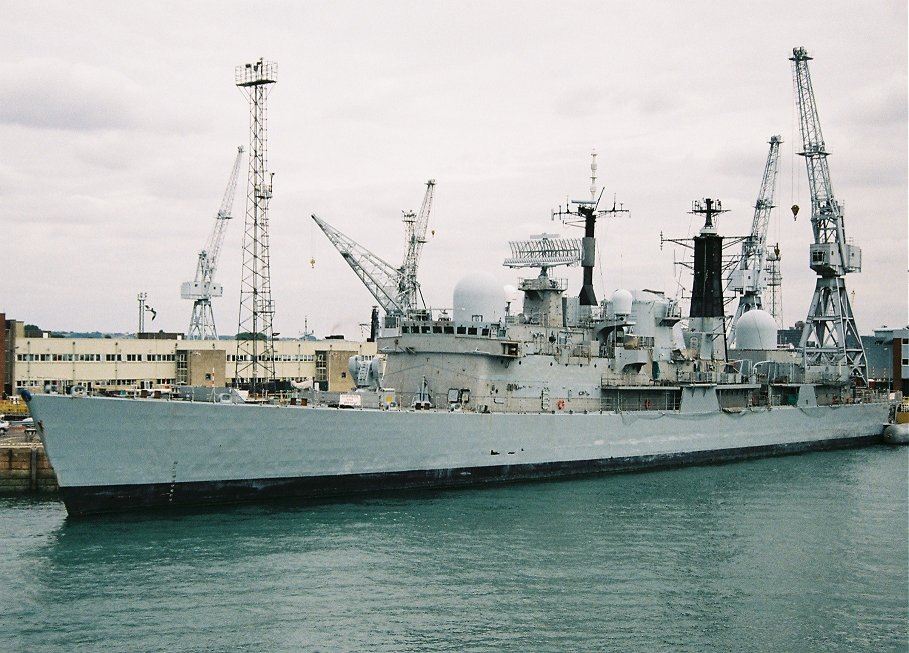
column 24, row 468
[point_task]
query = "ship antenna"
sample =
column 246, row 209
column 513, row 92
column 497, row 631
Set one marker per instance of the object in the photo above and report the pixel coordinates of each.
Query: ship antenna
column 593, row 175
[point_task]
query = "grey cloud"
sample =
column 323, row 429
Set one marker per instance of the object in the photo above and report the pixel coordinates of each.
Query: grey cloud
column 52, row 94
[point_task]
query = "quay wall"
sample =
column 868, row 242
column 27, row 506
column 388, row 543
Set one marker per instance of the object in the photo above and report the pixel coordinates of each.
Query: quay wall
column 24, row 469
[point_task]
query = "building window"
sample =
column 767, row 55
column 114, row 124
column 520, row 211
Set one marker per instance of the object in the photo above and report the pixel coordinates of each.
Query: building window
column 321, row 367
column 182, row 369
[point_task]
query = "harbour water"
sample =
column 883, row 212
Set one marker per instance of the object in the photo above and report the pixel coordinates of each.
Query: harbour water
column 803, row 553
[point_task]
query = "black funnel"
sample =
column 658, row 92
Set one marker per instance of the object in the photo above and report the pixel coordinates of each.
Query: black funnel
column 707, row 289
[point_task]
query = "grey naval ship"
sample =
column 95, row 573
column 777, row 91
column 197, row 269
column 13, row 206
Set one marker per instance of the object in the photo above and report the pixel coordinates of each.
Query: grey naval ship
column 486, row 392
column 481, row 394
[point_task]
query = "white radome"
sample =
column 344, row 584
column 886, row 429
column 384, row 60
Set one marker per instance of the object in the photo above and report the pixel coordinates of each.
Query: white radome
column 621, row 302
column 756, row 330
column 478, row 297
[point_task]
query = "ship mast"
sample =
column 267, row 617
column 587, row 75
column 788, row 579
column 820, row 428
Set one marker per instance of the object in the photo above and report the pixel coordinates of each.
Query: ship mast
column 585, row 213
column 706, row 316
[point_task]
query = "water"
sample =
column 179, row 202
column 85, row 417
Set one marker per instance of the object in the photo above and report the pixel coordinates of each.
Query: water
column 805, row 553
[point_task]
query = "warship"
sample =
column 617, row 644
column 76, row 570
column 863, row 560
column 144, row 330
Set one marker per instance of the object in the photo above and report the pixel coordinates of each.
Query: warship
column 480, row 394
column 486, row 392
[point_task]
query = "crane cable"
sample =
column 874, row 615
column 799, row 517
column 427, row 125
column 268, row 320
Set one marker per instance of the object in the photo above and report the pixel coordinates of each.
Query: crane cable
column 794, row 190
column 312, row 255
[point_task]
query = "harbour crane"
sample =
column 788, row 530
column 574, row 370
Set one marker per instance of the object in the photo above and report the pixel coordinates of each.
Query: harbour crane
column 750, row 277
column 396, row 289
column 830, row 341
column 415, row 236
column 203, row 288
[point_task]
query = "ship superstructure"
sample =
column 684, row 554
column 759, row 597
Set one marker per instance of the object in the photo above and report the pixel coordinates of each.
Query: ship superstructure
column 631, row 353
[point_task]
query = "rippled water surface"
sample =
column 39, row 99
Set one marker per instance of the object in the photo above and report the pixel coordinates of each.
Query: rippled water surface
column 804, row 553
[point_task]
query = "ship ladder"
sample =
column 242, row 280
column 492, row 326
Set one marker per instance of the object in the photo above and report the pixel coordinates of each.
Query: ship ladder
column 362, row 375
column 544, row 400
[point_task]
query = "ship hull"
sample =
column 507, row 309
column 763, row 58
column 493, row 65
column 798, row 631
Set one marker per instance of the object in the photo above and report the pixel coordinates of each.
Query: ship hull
column 114, row 455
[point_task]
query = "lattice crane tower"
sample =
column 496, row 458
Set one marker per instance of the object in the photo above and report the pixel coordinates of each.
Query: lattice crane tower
column 203, row 288
column 396, row 289
column 255, row 336
column 753, row 273
column 830, row 339
column 415, row 236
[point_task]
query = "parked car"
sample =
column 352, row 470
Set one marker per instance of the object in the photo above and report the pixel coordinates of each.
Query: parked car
column 29, row 424
column 4, row 425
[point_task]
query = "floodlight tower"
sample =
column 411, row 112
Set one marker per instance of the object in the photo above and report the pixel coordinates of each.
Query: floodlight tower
column 255, row 336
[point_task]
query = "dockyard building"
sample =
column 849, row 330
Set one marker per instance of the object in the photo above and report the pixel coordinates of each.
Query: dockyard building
column 117, row 364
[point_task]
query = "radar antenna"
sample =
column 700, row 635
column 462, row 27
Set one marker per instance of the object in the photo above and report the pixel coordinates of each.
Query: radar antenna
column 544, row 251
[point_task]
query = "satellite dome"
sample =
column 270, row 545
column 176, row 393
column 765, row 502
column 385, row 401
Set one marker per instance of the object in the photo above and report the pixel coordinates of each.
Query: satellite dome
column 621, row 302
column 478, row 297
column 756, row 330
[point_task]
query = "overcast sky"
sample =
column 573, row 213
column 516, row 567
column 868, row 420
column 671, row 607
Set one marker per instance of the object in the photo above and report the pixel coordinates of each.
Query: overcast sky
column 119, row 122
